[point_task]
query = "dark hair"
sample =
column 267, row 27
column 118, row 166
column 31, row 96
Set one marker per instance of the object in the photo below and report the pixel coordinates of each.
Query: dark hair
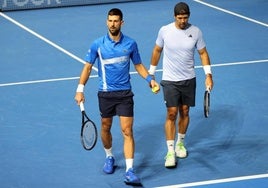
column 116, row 12
column 181, row 8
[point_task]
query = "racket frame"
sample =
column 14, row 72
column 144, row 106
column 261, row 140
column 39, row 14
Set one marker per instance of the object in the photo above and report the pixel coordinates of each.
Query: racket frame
column 85, row 120
column 206, row 102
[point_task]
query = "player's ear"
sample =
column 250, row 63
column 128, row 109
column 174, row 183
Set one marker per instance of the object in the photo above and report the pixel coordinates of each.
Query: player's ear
column 122, row 22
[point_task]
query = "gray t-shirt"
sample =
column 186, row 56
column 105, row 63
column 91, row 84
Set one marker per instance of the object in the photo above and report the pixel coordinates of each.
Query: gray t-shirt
column 178, row 51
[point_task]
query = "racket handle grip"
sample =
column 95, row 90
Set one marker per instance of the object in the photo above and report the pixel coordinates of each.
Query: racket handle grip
column 82, row 107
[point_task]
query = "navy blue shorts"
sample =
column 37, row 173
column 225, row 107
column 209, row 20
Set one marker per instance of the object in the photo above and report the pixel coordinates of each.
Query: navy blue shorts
column 179, row 92
column 116, row 103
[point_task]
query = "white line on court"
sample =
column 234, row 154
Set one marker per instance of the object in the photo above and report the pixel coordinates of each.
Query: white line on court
column 44, row 39
column 158, row 70
column 42, row 81
column 232, row 13
column 209, row 182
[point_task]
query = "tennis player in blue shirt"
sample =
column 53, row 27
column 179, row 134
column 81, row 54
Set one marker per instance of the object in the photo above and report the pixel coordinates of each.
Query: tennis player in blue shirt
column 113, row 53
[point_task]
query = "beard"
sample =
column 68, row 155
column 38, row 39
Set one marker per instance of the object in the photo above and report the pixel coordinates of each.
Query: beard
column 183, row 25
column 114, row 31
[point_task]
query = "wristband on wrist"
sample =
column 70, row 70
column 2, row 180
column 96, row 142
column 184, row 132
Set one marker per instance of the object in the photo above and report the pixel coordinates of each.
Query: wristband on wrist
column 149, row 78
column 207, row 69
column 80, row 88
column 152, row 69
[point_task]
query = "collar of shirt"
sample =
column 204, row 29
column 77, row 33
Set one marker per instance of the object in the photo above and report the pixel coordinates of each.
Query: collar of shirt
column 112, row 41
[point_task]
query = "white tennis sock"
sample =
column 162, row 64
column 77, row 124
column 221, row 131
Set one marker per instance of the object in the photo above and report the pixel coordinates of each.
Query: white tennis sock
column 108, row 152
column 180, row 138
column 170, row 145
column 129, row 164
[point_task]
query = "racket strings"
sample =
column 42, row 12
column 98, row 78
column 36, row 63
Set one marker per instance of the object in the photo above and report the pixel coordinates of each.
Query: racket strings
column 89, row 135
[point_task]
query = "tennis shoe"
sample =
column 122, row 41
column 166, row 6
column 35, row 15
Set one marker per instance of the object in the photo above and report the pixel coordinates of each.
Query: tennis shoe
column 180, row 150
column 170, row 160
column 131, row 178
column 108, row 167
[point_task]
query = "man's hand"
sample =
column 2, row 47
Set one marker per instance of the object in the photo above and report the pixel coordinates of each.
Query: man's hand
column 79, row 97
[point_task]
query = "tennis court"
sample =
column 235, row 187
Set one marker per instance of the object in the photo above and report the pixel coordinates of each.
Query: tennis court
column 42, row 54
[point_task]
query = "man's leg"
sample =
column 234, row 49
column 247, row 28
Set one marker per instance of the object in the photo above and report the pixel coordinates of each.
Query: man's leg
column 183, row 123
column 106, row 137
column 129, row 143
column 129, row 149
column 170, row 131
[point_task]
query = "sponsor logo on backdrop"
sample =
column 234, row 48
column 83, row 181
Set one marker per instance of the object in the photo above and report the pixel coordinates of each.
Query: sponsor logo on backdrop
column 27, row 3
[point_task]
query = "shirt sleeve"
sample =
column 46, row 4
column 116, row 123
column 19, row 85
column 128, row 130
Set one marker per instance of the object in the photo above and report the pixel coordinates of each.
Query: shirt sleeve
column 92, row 53
column 159, row 40
column 135, row 55
column 200, row 41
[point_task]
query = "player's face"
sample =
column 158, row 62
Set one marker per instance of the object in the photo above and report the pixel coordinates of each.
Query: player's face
column 181, row 21
column 114, row 24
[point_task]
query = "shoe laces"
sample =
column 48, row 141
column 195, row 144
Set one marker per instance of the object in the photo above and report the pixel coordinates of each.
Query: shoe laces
column 109, row 160
column 169, row 155
column 130, row 176
column 181, row 145
column 130, row 173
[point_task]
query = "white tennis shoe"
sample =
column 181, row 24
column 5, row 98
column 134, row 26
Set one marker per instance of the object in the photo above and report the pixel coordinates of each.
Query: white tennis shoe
column 180, row 150
column 170, row 160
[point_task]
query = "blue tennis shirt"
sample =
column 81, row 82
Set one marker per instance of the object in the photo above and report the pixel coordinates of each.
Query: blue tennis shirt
column 113, row 61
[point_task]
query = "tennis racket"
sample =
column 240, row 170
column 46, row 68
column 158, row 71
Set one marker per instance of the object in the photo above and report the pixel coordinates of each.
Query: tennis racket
column 89, row 133
column 206, row 102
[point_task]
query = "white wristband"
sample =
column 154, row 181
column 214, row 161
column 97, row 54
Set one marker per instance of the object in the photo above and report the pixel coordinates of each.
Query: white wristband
column 207, row 69
column 80, row 88
column 152, row 69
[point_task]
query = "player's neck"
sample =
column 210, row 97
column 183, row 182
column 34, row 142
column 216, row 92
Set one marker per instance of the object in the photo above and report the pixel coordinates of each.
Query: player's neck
column 182, row 27
column 115, row 38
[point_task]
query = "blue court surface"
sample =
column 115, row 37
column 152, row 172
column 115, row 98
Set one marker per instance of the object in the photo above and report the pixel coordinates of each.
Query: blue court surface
column 42, row 55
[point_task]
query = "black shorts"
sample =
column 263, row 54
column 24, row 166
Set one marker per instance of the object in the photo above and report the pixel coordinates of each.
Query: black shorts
column 116, row 103
column 179, row 93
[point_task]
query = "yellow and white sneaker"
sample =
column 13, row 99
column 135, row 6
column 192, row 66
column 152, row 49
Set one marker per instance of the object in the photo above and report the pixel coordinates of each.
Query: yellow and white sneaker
column 170, row 160
column 180, row 150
